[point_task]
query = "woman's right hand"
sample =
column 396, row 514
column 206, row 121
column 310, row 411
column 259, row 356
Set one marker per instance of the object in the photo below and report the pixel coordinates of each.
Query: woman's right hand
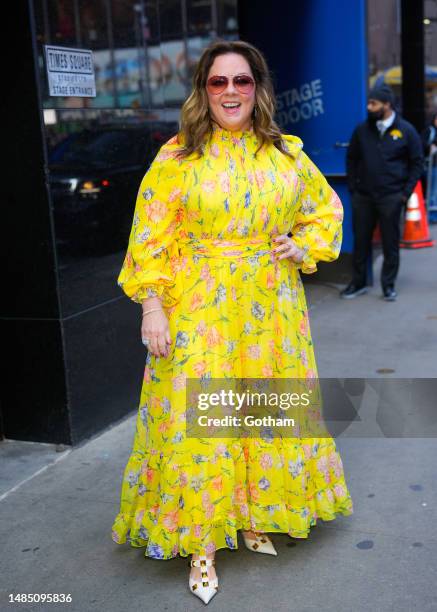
column 155, row 327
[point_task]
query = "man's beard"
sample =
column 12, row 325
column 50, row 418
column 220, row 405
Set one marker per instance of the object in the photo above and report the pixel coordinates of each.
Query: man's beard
column 374, row 116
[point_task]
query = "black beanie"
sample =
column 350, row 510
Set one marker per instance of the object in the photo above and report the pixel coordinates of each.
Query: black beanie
column 383, row 93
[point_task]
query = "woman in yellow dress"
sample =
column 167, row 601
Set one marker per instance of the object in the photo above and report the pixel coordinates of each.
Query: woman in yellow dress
column 212, row 263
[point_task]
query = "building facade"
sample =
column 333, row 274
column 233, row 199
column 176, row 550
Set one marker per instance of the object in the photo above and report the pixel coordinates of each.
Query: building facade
column 81, row 136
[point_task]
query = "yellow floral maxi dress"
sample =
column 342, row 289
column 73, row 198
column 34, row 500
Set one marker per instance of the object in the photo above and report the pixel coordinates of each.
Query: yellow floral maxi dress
column 201, row 240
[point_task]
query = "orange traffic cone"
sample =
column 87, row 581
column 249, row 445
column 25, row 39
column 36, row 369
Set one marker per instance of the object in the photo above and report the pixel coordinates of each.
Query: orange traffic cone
column 416, row 230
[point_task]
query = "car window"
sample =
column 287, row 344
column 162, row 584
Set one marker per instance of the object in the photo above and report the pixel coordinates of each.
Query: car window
column 105, row 148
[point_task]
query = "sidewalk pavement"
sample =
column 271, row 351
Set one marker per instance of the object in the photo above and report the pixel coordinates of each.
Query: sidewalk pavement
column 55, row 524
column 354, row 338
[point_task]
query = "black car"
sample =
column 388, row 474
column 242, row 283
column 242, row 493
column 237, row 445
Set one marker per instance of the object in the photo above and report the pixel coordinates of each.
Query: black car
column 94, row 177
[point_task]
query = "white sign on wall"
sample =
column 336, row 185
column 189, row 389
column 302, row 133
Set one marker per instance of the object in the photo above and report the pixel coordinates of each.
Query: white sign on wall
column 70, row 72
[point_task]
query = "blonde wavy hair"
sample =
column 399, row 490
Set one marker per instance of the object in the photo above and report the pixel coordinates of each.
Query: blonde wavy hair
column 195, row 119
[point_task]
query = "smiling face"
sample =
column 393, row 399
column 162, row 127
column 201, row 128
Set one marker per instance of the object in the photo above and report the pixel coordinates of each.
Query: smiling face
column 239, row 118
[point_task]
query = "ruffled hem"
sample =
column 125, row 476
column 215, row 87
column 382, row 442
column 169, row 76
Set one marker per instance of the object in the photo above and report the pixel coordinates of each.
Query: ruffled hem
column 162, row 512
column 222, row 535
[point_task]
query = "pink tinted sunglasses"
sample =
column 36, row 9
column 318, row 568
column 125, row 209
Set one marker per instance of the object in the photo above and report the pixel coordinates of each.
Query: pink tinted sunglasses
column 242, row 83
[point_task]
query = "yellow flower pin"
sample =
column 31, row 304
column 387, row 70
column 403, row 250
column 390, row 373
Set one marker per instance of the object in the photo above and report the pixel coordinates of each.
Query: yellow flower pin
column 395, row 134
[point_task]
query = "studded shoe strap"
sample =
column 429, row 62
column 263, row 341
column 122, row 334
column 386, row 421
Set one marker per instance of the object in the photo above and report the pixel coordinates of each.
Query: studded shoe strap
column 260, row 537
column 202, row 562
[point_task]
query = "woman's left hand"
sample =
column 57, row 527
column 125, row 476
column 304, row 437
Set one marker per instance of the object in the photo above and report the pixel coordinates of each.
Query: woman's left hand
column 287, row 249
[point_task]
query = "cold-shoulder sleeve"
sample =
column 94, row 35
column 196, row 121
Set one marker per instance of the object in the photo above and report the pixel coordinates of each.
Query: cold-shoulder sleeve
column 150, row 265
column 317, row 225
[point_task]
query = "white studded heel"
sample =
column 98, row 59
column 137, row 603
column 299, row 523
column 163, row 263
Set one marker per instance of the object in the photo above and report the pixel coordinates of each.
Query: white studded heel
column 262, row 544
column 207, row 587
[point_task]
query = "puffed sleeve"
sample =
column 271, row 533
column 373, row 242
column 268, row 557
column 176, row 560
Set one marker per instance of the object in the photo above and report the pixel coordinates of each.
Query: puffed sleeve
column 317, row 225
column 150, row 266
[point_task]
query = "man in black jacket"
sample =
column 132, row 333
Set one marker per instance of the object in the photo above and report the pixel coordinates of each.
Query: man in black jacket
column 384, row 163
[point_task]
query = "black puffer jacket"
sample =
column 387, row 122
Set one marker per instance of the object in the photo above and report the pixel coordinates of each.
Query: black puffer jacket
column 379, row 166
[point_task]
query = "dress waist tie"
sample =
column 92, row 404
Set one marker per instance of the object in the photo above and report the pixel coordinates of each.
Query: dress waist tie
column 218, row 248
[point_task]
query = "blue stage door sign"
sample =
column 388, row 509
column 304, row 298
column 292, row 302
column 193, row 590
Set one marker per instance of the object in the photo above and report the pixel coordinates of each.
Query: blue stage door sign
column 321, row 74
column 322, row 83
column 317, row 53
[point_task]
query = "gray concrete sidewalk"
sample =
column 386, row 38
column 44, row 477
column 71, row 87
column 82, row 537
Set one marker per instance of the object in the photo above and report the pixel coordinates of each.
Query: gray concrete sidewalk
column 55, row 526
column 354, row 338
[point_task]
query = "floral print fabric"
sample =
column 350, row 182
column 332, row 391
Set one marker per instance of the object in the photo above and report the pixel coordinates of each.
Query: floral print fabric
column 201, row 239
